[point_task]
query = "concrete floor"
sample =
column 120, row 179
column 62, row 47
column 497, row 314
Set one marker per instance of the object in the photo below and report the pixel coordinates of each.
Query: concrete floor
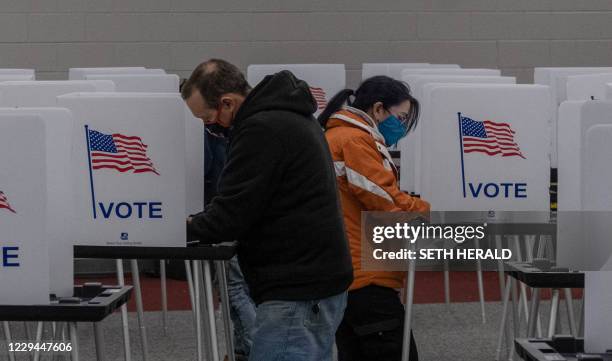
column 442, row 333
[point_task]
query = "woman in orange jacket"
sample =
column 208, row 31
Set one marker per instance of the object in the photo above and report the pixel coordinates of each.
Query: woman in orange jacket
column 358, row 131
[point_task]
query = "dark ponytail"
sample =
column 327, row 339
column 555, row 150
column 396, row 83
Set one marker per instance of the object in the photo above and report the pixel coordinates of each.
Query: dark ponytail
column 343, row 97
column 388, row 91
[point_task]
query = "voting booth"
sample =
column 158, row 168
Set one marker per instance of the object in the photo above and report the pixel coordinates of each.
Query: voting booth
column 587, row 87
column 35, row 205
column 128, row 168
column 81, row 73
column 578, row 119
column 410, row 146
column 156, row 83
column 485, row 148
column 597, row 202
column 325, row 80
column 23, row 201
column 44, row 93
column 556, row 79
column 57, row 220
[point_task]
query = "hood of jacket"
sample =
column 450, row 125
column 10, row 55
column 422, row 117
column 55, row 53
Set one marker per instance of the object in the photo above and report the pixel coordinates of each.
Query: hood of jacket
column 279, row 92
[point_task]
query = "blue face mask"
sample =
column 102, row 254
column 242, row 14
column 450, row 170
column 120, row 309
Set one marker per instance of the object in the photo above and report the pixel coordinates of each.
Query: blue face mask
column 392, row 129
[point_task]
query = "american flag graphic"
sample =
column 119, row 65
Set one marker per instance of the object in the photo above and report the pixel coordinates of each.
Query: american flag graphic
column 4, row 204
column 488, row 137
column 119, row 152
column 320, row 97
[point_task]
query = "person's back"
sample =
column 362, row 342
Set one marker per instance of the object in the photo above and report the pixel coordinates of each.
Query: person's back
column 296, row 248
column 278, row 198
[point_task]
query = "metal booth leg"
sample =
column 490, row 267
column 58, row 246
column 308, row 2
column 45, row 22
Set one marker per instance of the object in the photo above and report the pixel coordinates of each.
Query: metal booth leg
column 204, row 316
column 446, row 279
column 533, row 313
column 409, row 304
column 210, row 310
column 500, row 266
column 522, row 301
column 99, row 341
column 227, row 324
column 569, row 303
column 190, row 284
column 140, row 309
column 56, row 335
column 503, row 329
column 8, row 338
column 38, row 339
column 28, row 337
column 74, row 341
column 124, row 314
column 196, row 306
column 554, row 309
column 480, row 285
column 581, row 324
column 516, row 318
column 164, row 296
column 189, row 277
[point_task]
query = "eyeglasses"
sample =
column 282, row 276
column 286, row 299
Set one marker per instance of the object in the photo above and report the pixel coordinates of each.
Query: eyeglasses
column 408, row 119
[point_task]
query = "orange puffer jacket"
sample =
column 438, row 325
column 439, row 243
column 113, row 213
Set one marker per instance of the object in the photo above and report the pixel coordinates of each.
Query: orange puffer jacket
column 367, row 181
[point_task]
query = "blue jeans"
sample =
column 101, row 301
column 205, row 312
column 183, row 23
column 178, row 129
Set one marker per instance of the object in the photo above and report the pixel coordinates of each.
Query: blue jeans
column 297, row 330
column 242, row 308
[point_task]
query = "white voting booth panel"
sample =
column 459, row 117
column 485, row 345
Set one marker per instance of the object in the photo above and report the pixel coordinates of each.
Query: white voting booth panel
column 58, row 123
column 497, row 159
column 418, row 81
column 576, row 120
column 588, row 87
column 194, row 159
column 597, row 197
column 7, row 71
column 410, row 146
column 597, row 310
column 44, row 93
column 129, row 168
column 445, row 71
column 445, row 66
column 394, row 70
column 158, row 83
column 81, row 73
column 12, row 77
column 556, row 79
column 24, row 260
column 609, row 91
column 325, row 80
column 194, row 163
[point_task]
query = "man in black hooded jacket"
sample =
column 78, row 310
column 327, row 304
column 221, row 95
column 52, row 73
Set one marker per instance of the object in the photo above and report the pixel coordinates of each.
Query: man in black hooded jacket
column 277, row 196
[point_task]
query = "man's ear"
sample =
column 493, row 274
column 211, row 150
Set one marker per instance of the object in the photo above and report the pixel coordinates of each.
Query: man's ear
column 227, row 102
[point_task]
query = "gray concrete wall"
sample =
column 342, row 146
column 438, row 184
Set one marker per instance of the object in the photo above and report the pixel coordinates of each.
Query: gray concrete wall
column 514, row 35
